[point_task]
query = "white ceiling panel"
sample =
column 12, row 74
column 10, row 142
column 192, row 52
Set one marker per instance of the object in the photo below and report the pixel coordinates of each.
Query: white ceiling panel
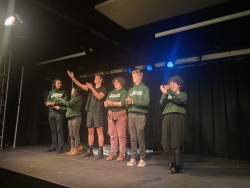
column 134, row 13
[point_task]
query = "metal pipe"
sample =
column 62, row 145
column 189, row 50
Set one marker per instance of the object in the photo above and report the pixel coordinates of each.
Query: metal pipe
column 6, row 97
column 61, row 58
column 18, row 108
column 205, row 23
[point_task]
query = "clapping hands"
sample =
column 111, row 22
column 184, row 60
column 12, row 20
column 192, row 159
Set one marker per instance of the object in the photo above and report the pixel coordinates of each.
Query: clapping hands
column 164, row 89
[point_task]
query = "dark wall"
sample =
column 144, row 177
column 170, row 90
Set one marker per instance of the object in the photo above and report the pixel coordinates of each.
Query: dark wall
column 218, row 109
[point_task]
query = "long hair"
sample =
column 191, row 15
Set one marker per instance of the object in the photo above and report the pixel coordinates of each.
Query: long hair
column 77, row 91
column 54, row 83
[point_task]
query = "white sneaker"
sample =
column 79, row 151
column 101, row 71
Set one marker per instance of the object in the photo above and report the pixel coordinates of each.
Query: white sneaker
column 132, row 162
column 142, row 163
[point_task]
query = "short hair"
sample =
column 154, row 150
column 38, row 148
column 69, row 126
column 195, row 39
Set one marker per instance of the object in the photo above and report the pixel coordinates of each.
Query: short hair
column 119, row 79
column 100, row 77
column 177, row 80
column 138, row 72
column 54, row 83
column 77, row 91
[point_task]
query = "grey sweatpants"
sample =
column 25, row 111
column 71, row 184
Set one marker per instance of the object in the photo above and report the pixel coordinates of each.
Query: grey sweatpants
column 74, row 127
column 136, row 124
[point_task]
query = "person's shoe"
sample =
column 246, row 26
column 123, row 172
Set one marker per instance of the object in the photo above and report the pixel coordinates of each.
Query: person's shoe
column 70, row 151
column 171, row 166
column 132, row 162
column 175, row 169
column 142, row 163
column 74, row 152
column 111, row 156
column 89, row 152
column 100, row 154
column 60, row 150
column 50, row 149
column 120, row 158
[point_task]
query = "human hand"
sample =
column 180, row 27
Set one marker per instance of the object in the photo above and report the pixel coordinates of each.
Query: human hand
column 71, row 74
column 167, row 86
column 90, row 86
column 129, row 100
column 56, row 107
column 48, row 103
column 163, row 90
column 109, row 103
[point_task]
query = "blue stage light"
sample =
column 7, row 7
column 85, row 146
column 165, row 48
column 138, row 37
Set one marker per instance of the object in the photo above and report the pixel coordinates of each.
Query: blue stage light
column 170, row 64
column 129, row 70
column 149, row 67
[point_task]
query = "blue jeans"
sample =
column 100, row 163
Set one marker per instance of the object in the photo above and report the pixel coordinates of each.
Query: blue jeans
column 56, row 126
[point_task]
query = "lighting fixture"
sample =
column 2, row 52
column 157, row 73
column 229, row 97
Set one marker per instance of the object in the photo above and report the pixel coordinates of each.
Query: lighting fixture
column 10, row 21
column 140, row 67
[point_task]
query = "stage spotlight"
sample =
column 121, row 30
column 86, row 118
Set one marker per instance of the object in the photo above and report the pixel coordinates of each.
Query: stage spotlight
column 170, row 64
column 129, row 70
column 149, row 67
column 10, row 21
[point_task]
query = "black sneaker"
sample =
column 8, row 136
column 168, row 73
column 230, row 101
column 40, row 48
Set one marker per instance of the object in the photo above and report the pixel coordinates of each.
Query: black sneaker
column 50, row 149
column 174, row 170
column 60, row 150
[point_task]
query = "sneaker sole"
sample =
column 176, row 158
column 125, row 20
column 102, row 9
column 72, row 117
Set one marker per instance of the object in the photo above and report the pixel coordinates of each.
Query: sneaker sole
column 131, row 164
column 141, row 165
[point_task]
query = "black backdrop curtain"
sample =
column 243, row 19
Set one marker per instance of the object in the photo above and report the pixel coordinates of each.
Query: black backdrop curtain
column 218, row 123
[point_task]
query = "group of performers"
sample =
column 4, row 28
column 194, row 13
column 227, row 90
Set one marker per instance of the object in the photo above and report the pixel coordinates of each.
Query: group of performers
column 124, row 108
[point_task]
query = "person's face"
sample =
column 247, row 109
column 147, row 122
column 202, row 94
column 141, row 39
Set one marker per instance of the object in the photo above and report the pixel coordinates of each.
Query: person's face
column 98, row 80
column 136, row 78
column 174, row 87
column 58, row 84
column 117, row 85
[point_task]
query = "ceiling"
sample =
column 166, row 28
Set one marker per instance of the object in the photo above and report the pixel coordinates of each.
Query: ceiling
column 118, row 33
column 130, row 13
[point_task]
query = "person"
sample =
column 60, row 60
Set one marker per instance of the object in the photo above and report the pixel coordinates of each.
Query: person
column 94, row 108
column 73, row 115
column 117, row 119
column 174, row 102
column 56, row 117
column 137, row 103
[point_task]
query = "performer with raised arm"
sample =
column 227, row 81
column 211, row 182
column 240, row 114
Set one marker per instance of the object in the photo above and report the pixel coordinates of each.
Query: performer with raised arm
column 94, row 108
column 137, row 102
column 117, row 119
column 173, row 124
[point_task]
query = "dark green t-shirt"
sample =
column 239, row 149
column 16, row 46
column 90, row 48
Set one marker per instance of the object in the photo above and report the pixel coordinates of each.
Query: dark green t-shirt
column 93, row 104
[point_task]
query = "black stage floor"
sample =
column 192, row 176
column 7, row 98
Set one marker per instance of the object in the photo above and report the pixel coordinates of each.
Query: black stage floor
column 32, row 167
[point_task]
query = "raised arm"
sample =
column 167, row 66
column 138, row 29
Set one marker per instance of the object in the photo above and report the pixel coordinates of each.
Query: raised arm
column 79, row 84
